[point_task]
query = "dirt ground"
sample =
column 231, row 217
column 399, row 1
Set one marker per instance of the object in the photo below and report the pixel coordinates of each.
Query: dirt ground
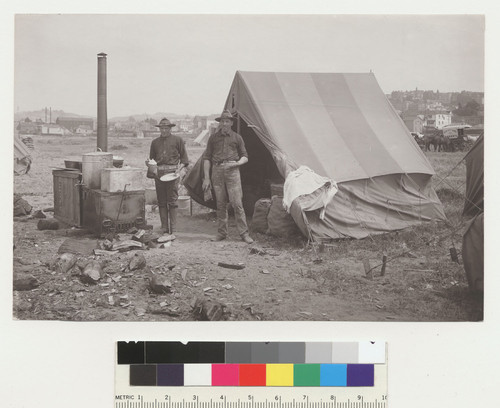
column 283, row 279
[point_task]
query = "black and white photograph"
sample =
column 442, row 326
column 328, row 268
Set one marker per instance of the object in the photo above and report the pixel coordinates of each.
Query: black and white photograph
column 256, row 172
column 248, row 167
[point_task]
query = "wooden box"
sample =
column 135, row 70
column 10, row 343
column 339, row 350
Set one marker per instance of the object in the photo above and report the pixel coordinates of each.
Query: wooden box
column 114, row 180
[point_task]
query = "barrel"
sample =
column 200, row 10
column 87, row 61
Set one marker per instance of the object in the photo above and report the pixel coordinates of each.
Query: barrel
column 92, row 165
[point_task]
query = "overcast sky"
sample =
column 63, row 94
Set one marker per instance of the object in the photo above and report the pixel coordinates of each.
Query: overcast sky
column 186, row 63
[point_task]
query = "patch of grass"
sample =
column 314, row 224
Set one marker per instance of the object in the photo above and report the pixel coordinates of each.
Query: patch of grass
column 448, row 195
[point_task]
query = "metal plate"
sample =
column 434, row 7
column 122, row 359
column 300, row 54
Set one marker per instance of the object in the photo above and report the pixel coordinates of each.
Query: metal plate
column 169, row 177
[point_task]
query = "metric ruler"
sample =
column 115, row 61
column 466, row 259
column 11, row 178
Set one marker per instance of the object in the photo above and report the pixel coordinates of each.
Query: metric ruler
column 252, row 397
column 224, row 375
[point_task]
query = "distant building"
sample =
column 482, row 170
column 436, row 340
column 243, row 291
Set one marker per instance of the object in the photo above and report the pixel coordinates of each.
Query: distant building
column 54, row 129
column 84, row 130
column 199, row 122
column 29, row 128
column 414, row 123
column 438, row 119
column 72, row 123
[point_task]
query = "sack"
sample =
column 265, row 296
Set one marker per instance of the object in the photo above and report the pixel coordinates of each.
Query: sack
column 281, row 224
column 260, row 212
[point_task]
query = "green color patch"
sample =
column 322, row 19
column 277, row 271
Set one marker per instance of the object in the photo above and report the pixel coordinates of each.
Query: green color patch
column 306, row 375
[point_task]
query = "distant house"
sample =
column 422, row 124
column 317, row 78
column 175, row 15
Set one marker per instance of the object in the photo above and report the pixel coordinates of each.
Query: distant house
column 438, row 119
column 199, row 122
column 84, row 130
column 54, row 129
column 72, row 123
column 414, row 123
column 29, row 128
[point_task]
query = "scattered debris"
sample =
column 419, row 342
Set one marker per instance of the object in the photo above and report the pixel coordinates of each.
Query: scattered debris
column 239, row 265
column 166, row 238
column 227, row 286
column 304, row 314
column 92, row 272
column 204, row 309
column 104, row 252
column 160, row 284
column 162, row 311
column 21, row 206
column 166, row 244
column 138, row 235
column 270, row 289
column 137, row 261
column 126, row 245
column 111, row 300
column 132, row 230
column 207, row 289
column 65, row 262
column 419, row 270
column 38, row 214
column 140, row 311
column 25, row 282
column 265, row 272
column 258, row 251
column 80, row 246
column 48, row 224
column 184, row 274
column 48, row 209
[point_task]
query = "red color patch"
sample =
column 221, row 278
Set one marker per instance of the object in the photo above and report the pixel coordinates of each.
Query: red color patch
column 253, row 374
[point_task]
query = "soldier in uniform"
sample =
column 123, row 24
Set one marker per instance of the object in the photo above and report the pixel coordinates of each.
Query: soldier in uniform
column 170, row 154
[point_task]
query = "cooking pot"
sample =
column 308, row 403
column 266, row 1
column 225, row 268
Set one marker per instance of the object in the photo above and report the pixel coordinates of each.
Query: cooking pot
column 118, row 161
column 73, row 163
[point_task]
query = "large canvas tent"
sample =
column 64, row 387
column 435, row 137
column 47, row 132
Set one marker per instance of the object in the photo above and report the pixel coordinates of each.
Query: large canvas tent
column 342, row 127
column 474, row 187
column 473, row 239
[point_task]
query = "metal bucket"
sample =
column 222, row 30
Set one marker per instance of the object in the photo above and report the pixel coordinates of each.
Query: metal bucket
column 92, row 165
column 184, row 204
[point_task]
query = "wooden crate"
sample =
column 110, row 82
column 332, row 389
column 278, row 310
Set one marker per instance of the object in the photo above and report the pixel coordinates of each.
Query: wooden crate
column 114, row 180
column 67, row 196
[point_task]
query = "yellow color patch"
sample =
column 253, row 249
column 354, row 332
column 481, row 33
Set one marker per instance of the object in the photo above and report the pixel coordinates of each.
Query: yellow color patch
column 279, row 375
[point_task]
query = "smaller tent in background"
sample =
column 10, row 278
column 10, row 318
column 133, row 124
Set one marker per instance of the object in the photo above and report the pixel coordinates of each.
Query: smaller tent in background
column 202, row 137
column 22, row 157
column 473, row 239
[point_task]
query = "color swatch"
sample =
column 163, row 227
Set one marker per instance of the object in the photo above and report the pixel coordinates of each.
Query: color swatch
column 271, row 364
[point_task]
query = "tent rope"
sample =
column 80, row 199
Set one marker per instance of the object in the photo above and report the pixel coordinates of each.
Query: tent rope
column 404, row 253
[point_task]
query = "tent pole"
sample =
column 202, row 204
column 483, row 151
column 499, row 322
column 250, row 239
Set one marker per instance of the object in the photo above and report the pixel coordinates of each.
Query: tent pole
column 238, row 124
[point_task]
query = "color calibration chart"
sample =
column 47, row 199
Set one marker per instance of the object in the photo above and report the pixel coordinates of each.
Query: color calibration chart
column 251, row 375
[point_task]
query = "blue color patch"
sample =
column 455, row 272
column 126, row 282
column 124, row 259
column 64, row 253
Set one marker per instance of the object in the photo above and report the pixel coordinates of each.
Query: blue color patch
column 333, row 375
